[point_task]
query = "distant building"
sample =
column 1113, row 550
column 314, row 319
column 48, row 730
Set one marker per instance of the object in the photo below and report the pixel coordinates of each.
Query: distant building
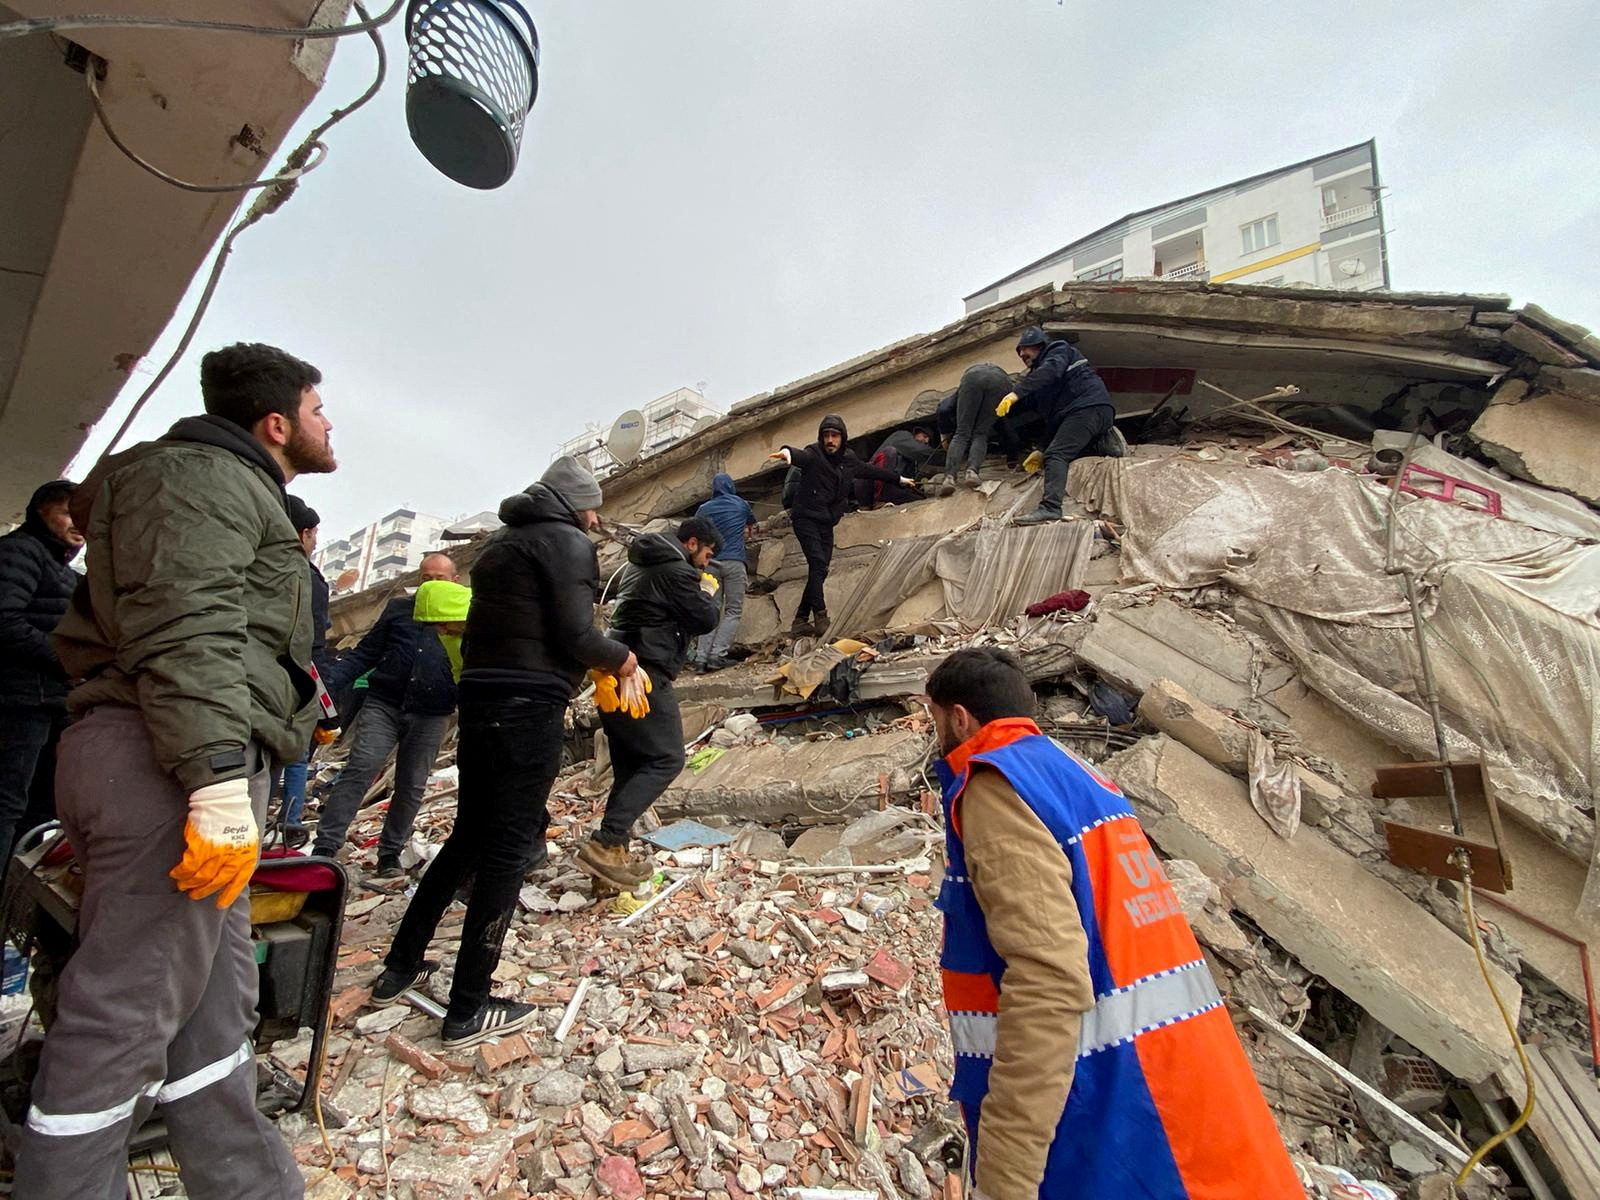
column 667, row 420
column 1317, row 223
column 380, row 551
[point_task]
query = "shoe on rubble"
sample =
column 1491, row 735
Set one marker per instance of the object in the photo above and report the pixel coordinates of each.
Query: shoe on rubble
column 392, row 984
column 388, row 868
column 613, row 865
column 496, row 1018
column 801, row 628
column 720, row 663
column 1039, row 516
column 972, row 479
column 819, row 623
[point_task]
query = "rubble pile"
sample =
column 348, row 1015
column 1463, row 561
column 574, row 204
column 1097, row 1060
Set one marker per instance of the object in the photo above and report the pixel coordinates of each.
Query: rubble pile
column 1224, row 624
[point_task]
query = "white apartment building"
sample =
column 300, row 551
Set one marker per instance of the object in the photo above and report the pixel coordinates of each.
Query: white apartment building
column 1317, row 223
column 669, row 419
column 380, row 551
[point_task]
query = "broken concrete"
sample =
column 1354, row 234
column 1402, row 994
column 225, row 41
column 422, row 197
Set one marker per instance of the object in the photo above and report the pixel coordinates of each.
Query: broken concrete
column 1136, row 644
column 773, row 782
column 1546, row 437
column 1364, row 936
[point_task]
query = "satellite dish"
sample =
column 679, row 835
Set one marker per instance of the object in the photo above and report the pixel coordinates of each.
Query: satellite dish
column 626, row 438
column 1351, row 267
column 704, row 422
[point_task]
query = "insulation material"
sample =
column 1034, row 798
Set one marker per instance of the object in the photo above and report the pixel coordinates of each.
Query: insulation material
column 989, row 574
column 1510, row 612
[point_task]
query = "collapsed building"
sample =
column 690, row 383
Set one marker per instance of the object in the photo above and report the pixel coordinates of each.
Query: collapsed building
column 1231, row 634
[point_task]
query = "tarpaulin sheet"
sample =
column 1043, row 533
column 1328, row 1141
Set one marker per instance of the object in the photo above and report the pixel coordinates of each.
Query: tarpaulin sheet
column 989, row 574
column 1509, row 611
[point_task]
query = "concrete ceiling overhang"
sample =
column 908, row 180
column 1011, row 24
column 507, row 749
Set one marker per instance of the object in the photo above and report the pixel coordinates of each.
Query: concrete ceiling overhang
column 96, row 254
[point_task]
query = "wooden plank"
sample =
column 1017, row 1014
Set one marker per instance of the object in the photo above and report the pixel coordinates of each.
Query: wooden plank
column 1426, row 779
column 1580, row 1084
column 1556, row 1124
column 1431, row 851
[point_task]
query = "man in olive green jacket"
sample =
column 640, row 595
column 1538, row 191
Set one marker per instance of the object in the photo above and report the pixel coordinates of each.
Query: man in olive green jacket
column 191, row 638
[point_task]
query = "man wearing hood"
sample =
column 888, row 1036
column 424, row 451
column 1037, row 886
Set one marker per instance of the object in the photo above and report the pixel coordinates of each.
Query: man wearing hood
column 827, row 469
column 191, row 634
column 1069, row 395
column 660, row 607
column 735, row 521
column 293, row 778
column 530, row 637
column 35, row 582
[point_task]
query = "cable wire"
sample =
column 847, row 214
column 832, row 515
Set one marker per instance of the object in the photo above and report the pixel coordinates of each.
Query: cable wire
column 268, row 202
column 1511, row 1027
column 92, row 75
column 29, row 25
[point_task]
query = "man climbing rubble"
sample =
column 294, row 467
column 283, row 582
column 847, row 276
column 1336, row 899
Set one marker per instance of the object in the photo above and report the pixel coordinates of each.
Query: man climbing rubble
column 530, row 636
column 191, row 632
column 661, row 605
column 411, row 693
column 906, row 451
column 1069, row 395
column 1111, row 1067
column 827, row 468
column 735, row 521
column 982, row 387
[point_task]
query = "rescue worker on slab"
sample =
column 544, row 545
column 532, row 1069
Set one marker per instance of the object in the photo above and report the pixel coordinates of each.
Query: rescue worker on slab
column 663, row 602
column 191, row 632
column 1094, row 1057
column 978, row 396
column 1069, row 395
column 736, row 523
column 530, row 635
column 827, row 469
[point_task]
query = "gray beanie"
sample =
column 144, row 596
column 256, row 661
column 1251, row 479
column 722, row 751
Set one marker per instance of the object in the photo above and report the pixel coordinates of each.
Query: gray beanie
column 571, row 480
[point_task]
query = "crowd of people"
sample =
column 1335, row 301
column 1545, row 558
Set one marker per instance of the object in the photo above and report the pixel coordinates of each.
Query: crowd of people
column 189, row 666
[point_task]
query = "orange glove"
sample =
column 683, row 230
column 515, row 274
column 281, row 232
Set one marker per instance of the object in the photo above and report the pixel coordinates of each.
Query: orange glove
column 605, row 691
column 221, row 842
column 324, row 737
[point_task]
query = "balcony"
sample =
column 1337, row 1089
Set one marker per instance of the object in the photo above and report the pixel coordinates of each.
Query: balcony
column 1194, row 270
column 1347, row 216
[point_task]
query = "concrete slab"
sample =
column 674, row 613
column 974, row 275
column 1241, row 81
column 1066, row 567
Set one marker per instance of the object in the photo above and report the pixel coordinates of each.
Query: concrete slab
column 776, row 781
column 1136, row 645
column 1362, row 935
column 1546, row 439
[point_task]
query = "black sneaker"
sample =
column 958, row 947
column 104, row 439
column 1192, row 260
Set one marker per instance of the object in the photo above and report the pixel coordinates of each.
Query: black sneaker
column 388, row 868
column 392, row 984
column 496, row 1018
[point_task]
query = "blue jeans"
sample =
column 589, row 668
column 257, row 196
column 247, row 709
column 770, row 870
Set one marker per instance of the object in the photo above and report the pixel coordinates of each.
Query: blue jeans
column 294, row 790
column 735, row 581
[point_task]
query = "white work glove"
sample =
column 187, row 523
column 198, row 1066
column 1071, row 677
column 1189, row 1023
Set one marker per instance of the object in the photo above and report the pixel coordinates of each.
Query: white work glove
column 782, row 453
column 633, row 694
column 221, row 842
column 907, row 483
column 709, row 583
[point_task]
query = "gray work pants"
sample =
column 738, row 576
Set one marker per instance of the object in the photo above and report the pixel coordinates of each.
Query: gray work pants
column 975, row 420
column 735, row 580
column 158, row 1002
column 382, row 727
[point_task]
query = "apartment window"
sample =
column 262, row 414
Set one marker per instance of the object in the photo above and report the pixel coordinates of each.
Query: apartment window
column 1108, row 271
column 1258, row 235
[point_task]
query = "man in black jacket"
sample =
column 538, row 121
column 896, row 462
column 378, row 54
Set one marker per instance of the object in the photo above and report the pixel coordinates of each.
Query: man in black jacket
column 410, row 696
column 35, row 585
column 827, row 470
column 1068, row 393
column 292, row 786
column 661, row 607
column 530, row 638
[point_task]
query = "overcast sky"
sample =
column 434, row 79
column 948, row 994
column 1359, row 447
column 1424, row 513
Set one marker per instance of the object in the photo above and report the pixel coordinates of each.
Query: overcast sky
column 743, row 192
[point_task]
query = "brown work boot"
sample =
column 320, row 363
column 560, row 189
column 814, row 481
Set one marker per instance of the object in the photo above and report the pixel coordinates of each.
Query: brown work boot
column 801, row 627
column 613, row 865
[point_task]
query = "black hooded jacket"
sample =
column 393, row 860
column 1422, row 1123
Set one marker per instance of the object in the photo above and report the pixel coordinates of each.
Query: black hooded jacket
column 1061, row 381
column 409, row 666
column 530, row 631
column 825, row 478
column 660, row 606
column 35, row 587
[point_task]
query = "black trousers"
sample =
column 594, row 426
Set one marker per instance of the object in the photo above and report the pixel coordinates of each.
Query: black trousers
column 646, row 756
column 27, row 772
column 816, row 543
column 1071, row 441
column 509, row 754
